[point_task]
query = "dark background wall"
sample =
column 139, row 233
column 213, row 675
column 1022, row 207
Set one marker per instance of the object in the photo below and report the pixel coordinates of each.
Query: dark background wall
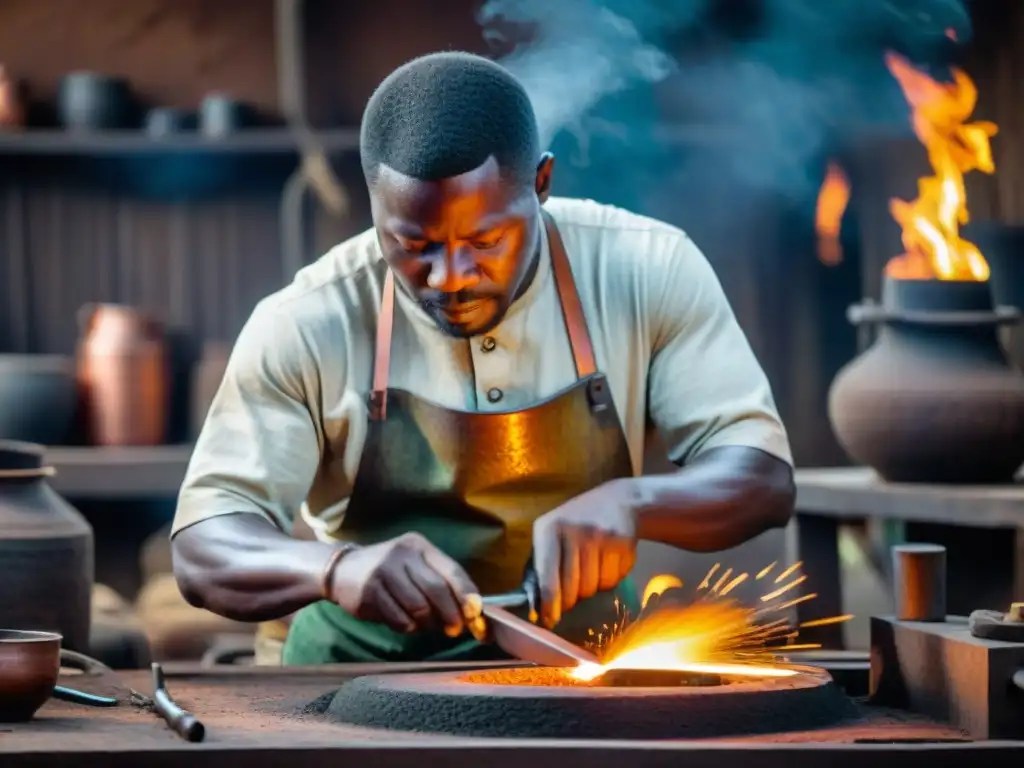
column 68, row 236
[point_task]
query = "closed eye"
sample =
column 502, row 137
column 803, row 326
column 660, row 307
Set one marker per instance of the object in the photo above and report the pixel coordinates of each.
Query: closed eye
column 488, row 241
column 409, row 245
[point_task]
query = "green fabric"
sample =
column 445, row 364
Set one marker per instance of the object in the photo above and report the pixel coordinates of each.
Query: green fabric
column 323, row 633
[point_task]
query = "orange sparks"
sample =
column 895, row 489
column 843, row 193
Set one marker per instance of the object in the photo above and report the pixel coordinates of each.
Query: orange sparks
column 713, row 634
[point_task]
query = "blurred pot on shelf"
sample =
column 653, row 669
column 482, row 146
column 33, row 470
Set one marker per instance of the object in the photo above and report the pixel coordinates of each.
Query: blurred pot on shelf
column 124, row 375
column 46, row 551
column 38, row 397
column 93, row 101
column 12, row 101
column 934, row 399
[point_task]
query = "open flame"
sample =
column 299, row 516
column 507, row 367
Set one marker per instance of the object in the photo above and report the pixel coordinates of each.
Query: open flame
column 931, row 223
column 713, row 634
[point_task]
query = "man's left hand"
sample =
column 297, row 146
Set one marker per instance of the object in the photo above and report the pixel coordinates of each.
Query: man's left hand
column 583, row 547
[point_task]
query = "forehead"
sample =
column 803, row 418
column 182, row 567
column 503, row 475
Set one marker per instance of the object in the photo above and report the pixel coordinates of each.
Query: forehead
column 403, row 202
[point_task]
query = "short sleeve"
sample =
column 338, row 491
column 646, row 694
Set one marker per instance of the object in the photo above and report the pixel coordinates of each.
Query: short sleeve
column 259, row 448
column 706, row 388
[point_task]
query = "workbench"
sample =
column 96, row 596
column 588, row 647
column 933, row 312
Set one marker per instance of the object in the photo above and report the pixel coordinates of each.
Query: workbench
column 267, row 716
column 982, row 528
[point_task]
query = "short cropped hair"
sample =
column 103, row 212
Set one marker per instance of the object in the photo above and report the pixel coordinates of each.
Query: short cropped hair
column 444, row 114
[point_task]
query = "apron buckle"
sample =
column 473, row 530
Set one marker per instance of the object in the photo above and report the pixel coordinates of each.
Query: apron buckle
column 376, row 403
column 597, row 394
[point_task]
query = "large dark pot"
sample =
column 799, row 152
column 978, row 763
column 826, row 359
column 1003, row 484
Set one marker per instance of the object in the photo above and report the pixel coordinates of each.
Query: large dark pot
column 934, row 399
column 46, row 551
column 1003, row 247
column 38, row 397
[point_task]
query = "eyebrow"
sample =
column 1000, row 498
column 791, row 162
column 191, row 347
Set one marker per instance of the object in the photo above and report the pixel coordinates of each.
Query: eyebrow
column 409, row 231
column 406, row 230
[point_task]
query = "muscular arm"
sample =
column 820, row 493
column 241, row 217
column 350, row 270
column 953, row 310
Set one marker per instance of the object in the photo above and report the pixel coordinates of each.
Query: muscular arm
column 719, row 500
column 243, row 568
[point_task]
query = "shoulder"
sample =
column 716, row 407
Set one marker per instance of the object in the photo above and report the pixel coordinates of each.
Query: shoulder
column 335, row 295
column 637, row 258
column 622, row 240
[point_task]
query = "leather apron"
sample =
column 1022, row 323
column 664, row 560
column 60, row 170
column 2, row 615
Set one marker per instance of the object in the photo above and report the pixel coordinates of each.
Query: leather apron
column 473, row 484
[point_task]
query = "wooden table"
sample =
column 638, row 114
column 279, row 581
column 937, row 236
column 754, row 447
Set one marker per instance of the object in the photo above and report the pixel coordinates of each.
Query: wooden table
column 982, row 528
column 256, row 717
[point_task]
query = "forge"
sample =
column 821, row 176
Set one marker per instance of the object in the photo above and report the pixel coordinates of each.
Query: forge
column 533, row 702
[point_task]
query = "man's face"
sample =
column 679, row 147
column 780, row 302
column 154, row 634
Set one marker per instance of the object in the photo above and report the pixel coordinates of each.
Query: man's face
column 463, row 247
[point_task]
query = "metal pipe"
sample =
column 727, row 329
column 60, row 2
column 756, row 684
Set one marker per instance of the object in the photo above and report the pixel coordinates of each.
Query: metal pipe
column 182, row 722
column 919, row 582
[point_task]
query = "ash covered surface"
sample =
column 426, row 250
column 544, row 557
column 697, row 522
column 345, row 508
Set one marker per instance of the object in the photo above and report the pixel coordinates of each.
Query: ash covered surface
column 283, row 709
column 465, row 705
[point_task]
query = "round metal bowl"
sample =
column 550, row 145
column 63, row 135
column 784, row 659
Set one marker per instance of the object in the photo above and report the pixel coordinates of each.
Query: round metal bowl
column 29, row 666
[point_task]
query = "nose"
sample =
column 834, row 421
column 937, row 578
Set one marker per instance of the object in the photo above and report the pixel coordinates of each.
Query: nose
column 453, row 270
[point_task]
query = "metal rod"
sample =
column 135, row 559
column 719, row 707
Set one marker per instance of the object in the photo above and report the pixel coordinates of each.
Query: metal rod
column 182, row 722
column 919, row 582
column 517, row 599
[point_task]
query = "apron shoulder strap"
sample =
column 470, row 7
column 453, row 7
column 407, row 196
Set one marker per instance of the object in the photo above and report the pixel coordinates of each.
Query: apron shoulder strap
column 568, row 297
column 382, row 350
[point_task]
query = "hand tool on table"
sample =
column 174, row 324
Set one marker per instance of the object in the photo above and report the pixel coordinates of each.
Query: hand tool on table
column 523, row 639
column 181, row 722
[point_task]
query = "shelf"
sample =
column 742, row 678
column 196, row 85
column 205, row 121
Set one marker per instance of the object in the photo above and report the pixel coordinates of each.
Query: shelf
column 119, row 473
column 256, row 141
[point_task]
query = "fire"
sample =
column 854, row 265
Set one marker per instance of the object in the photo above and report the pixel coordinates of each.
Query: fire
column 713, row 634
column 930, row 224
column 832, row 201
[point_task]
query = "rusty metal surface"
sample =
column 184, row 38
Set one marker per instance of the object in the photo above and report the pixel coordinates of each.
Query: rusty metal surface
column 941, row 670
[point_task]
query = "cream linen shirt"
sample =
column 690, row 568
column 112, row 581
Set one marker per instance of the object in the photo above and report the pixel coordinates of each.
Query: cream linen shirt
column 286, row 429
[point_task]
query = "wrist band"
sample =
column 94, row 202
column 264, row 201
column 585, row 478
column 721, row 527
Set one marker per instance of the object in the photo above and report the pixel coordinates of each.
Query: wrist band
column 332, row 565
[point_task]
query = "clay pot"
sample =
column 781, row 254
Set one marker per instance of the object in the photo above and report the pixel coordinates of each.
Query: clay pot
column 124, row 375
column 46, row 551
column 38, row 397
column 934, row 399
column 1003, row 248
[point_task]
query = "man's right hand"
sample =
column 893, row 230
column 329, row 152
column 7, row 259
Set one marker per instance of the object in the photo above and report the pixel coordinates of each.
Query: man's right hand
column 408, row 584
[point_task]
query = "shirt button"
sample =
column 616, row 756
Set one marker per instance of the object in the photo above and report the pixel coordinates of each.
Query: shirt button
column 494, row 394
column 488, row 344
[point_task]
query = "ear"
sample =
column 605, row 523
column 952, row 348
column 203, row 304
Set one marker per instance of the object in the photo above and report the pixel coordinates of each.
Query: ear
column 544, row 170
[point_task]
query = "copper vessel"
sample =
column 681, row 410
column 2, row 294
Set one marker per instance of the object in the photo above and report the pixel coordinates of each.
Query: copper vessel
column 124, row 376
column 12, row 101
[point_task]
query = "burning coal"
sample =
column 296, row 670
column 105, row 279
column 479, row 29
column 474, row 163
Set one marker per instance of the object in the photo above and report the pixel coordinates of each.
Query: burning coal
column 711, row 633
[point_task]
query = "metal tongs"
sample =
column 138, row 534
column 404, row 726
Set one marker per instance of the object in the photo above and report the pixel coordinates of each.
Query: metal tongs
column 523, row 639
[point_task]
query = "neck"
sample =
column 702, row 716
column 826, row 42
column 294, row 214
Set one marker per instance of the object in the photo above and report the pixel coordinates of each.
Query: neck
column 531, row 270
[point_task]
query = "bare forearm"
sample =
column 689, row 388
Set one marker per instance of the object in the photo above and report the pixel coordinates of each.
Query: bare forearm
column 243, row 568
column 719, row 500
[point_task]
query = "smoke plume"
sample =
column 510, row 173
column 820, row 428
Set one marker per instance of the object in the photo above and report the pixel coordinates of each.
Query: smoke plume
column 781, row 80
